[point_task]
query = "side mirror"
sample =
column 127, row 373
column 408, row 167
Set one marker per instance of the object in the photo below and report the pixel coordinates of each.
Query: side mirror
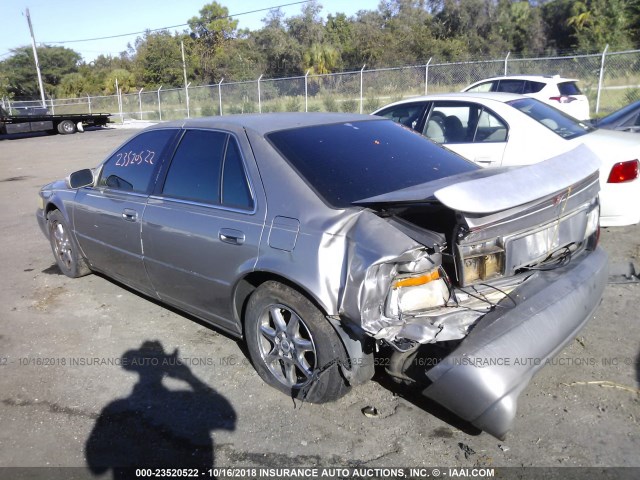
column 81, row 178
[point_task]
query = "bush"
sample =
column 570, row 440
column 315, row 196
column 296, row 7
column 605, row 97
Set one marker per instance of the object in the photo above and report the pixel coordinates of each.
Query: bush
column 371, row 104
column 350, row 106
column 272, row 106
column 208, row 111
column 631, row 95
column 293, row 104
column 330, row 104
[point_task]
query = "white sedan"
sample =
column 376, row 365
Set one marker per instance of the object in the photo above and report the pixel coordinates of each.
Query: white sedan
column 500, row 129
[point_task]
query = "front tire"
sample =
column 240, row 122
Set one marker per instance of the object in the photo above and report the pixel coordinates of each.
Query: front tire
column 65, row 250
column 292, row 345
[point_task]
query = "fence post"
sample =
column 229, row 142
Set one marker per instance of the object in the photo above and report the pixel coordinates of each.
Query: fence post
column 53, row 108
column 186, row 89
column 140, row 101
column 259, row 99
column 89, row 102
column 159, row 104
column 506, row 62
column 220, row 95
column 604, row 54
column 426, row 76
column 306, row 92
column 361, row 84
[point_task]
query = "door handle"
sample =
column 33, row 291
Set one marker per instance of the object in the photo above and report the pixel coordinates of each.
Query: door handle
column 229, row 235
column 129, row 215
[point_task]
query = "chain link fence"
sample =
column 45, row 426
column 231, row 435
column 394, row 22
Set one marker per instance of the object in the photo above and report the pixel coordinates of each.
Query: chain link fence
column 609, row 79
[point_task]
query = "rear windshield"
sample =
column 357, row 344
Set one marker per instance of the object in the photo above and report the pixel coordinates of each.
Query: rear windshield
column 347, row 162
column 558, row 122
column 569, row 88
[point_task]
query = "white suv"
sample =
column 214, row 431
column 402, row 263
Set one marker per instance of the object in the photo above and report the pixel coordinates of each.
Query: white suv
column 562, row 93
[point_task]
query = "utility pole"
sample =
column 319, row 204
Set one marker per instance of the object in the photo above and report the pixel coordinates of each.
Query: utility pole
column 35, row 56
column 186, row 86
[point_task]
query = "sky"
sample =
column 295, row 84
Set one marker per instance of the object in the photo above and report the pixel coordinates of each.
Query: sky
column 64, row 20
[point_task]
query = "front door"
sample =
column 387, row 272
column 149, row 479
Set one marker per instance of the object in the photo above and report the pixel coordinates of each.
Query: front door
column 107, row 217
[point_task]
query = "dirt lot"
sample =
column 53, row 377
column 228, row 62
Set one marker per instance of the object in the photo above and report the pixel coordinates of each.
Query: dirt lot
column 67, row 401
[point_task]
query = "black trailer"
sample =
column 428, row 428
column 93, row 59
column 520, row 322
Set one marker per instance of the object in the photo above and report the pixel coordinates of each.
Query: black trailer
column 38, row 120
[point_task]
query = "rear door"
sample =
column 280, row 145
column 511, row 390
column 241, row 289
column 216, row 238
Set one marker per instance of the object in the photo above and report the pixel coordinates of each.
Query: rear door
column 202, row 227
column 107, row 217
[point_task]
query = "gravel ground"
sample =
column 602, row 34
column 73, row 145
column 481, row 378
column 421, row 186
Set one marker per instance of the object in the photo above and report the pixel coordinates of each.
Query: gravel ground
column 66, row 400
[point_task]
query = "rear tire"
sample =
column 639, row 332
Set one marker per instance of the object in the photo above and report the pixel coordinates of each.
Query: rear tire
column 65, row 250
column 292, row 345
column 66, row 127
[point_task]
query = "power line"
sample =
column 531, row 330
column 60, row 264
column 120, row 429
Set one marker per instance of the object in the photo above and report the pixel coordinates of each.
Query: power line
column 176, row 26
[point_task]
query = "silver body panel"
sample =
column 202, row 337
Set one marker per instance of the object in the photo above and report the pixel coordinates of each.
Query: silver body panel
column 201, row 258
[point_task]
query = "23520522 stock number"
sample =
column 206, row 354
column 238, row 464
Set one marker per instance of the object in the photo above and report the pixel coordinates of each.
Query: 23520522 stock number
column 194, row 472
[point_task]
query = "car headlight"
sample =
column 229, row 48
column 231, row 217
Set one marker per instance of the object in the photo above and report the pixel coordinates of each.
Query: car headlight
column 480, row 261
column 414, row 293
column 40, row 202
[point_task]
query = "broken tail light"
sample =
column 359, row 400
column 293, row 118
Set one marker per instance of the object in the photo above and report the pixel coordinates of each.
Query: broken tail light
column 481, row 261
column 624, row 172
column 417, row 292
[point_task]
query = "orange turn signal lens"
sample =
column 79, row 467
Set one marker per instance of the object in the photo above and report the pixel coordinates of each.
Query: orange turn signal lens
column 416, row 281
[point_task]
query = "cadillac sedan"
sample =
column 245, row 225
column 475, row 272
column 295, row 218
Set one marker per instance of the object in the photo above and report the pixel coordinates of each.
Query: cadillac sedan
column 313, row 237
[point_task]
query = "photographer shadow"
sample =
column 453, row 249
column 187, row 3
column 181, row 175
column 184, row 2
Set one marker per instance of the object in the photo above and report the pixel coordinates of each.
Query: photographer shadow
column 155, row 427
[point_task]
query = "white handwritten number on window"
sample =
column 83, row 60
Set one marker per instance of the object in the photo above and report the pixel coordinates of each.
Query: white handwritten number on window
column 130, row 158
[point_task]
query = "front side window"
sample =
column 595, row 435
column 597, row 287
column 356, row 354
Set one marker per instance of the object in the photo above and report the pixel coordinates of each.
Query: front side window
column 456, row 122
column 482, row 88
column 132, row 167
column 407, row 114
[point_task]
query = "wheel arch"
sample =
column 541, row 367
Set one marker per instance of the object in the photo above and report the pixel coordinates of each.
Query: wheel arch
column 250, row 282
column 357, row 345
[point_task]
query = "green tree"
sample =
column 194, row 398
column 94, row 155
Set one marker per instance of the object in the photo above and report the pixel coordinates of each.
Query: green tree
column 320, row 58
column 520, row 24
column 597, row 23
column 55, row 63
column 560, row 35
column 281, row 54
column 73, row 85
column 212, row 31
column 126, row 81
column 158, row 60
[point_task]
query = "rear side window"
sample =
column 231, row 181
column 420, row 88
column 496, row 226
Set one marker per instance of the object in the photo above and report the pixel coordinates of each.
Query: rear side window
column 132, row 167
column 196, row 167
column 511, row 86
column 235, row 189
column 533, row 87
column 569, row 88
column 346, row 162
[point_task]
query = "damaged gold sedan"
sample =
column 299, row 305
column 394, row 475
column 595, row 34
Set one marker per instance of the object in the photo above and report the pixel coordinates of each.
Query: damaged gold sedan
column 317, row 237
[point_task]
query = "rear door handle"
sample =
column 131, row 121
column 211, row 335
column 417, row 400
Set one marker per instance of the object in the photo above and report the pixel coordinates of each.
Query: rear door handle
column 129, row 215
column 229, row 235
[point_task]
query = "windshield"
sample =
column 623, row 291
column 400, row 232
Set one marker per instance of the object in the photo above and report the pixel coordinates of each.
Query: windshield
column 347, row 162
column 558, row 122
